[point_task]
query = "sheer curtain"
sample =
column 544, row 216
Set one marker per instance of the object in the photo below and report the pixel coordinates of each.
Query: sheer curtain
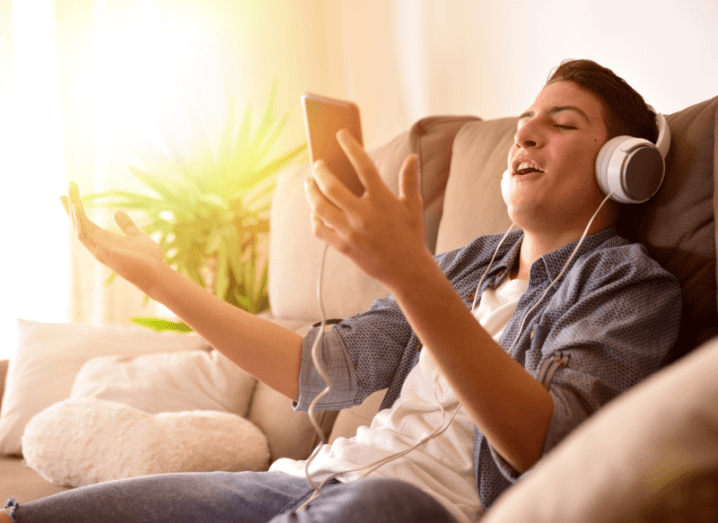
column 35, row 256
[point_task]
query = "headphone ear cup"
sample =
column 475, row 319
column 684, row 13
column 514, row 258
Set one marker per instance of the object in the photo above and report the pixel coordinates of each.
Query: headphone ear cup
column 602, row 161
column 630, row 168
column 506, row 186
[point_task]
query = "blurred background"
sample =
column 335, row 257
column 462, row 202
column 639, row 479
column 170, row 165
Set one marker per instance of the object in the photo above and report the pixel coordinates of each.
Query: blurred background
column 82, row 81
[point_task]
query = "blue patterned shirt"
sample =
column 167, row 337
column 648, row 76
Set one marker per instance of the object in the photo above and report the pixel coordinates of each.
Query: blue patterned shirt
column 605, row 326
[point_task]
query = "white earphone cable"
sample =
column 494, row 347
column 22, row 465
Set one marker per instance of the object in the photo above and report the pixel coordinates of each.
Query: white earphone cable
column 320, row 369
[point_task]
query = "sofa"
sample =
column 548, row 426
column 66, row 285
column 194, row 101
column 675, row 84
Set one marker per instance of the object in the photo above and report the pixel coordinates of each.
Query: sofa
column 461, row 162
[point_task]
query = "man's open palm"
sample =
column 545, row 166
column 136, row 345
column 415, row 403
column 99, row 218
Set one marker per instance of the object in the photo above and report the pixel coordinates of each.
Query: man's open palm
column 133, row 255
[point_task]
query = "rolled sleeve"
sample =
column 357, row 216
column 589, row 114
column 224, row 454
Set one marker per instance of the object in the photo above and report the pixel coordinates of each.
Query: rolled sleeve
column 337, row 363
column 568, row 413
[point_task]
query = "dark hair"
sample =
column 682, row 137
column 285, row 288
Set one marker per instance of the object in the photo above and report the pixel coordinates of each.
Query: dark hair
column 626, row 111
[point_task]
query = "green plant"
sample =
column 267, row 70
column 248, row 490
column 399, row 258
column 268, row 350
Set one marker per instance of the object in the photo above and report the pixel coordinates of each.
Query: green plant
column 209, row 207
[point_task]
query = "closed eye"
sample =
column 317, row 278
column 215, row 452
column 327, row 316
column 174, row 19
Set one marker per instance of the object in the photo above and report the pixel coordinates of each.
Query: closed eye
column 564, row 126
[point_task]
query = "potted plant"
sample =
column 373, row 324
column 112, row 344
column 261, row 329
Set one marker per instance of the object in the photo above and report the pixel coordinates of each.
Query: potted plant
column 209, row 206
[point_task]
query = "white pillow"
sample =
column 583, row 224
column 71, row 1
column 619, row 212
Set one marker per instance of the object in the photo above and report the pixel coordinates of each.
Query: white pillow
column 48, row 356
column 168, row 382
column 86, row 441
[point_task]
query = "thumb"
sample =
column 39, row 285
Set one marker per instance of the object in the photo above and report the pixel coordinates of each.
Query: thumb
column 409, row 182
column 126, row 224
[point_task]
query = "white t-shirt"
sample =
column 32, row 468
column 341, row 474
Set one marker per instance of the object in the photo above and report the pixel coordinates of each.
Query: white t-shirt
column 443, row 466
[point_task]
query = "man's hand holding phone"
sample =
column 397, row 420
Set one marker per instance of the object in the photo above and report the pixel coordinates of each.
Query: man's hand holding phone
column 381, row 232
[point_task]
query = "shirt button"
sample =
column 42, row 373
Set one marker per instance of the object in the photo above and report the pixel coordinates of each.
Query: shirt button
column 471, row 296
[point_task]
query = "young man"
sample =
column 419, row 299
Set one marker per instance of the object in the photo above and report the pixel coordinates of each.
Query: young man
column 540, row 359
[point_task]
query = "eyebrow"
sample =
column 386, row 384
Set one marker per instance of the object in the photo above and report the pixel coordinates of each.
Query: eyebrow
column 558, row 109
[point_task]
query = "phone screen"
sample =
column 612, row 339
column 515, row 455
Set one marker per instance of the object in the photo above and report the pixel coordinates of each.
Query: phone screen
column 323, row 118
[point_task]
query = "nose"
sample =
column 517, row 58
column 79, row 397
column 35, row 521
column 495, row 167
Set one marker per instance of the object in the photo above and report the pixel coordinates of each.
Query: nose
column 528, row 134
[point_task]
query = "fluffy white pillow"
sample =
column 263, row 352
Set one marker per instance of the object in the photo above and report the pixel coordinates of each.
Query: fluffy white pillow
column 48, row 356
column 168, row 382
column 86, row 441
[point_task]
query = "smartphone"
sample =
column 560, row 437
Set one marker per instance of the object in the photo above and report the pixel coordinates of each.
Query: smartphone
column 323, row 117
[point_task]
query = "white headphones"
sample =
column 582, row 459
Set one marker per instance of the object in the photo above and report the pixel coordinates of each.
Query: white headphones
column 632, row 168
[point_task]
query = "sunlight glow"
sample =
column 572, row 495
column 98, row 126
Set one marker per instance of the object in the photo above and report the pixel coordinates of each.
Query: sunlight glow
column 142, row 69
column 35, row 260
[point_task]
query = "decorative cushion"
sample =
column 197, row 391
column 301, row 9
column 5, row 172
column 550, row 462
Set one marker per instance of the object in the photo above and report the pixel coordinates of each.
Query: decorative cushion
column 293, row 277
column 167, row 382
column 651, row 455
column 86, row 441
column 48, row 356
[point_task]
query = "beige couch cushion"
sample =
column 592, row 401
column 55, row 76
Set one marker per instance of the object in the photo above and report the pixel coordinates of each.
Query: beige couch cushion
column 473, row 205
column 295, row 253
column 349, row 420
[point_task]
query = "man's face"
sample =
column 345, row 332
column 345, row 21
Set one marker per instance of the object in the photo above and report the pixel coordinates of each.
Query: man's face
column 552, row 160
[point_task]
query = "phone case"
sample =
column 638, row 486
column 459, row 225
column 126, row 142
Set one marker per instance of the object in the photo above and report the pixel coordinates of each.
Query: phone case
column 323, row 117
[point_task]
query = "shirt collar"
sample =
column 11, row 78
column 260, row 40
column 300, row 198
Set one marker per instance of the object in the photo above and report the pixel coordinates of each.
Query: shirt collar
column 507, row 255
column 551, row 263
column 554, row 261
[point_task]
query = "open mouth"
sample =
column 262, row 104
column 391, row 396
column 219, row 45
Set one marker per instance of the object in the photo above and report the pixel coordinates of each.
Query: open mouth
column 527, row 168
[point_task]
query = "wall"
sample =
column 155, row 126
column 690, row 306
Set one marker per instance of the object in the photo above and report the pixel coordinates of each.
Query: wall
column 412, row 58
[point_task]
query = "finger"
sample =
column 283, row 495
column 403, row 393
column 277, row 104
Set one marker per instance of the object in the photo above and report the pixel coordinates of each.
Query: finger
column 330, row 186
column 360, row 160
column 65, row 204
column 83, row 226
column 409, row 182
column 126, row 224
column 321, row 206
column 74, row 199
column 79, row 225
column 327, row 234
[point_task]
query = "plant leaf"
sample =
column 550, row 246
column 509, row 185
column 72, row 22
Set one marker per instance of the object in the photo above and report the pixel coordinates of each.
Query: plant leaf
column 110, row 278
column 160, row 325
column 276, row 164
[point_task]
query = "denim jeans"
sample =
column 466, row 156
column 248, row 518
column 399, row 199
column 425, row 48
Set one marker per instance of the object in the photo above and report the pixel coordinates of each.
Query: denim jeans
column 241, row 497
